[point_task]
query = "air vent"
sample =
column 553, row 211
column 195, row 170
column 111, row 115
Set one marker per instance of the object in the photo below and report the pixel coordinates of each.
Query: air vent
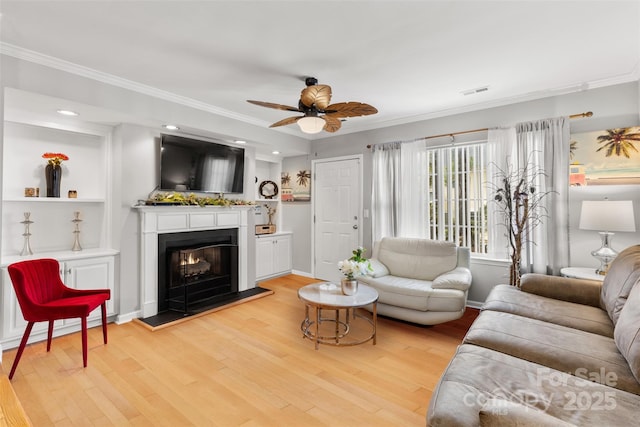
column 476, row 90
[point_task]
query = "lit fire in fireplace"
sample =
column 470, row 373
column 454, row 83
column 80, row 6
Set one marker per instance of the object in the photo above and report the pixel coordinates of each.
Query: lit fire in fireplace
column 190, row 260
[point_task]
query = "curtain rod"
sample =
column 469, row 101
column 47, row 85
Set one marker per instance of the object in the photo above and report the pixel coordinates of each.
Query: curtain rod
column 451, row 135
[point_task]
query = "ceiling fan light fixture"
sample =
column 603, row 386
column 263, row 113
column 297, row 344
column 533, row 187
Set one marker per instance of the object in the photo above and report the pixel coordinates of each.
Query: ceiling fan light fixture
column 311, row 124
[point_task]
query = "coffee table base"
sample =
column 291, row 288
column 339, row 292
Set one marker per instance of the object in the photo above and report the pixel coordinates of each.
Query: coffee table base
column 311, row 328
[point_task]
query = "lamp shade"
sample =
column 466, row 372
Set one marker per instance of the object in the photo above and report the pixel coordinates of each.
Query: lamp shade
column 607, row 215
column 311, row 124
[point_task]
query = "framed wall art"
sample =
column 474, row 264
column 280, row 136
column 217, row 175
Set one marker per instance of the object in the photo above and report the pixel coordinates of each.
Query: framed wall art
column 605, row 157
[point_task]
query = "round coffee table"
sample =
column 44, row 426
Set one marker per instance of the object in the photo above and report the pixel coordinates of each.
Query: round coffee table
column 328, row 296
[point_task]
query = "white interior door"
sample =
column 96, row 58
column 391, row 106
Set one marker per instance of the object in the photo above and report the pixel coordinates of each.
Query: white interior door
column 337, row 214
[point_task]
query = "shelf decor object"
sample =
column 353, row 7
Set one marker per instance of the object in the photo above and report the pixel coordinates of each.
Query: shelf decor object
column 53, row 172
column 76, row 241
column 606, row 216
column 26, row 249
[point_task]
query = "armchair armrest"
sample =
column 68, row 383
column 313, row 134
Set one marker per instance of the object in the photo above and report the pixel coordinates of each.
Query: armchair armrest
column 458, row 278
column 379, row 269
column 579, row 291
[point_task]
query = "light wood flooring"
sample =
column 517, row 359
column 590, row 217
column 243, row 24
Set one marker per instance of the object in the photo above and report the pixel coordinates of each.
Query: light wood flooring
column 243, row 366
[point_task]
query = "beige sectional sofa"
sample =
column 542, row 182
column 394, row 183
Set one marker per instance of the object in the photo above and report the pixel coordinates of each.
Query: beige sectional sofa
column 557, row 352
column 420, row 280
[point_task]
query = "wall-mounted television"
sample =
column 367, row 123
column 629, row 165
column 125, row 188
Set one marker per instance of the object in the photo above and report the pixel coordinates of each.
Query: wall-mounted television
column 200, row 166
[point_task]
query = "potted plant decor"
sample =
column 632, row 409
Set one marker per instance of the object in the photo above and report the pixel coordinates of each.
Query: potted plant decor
column 353, row 267
column 521, row 208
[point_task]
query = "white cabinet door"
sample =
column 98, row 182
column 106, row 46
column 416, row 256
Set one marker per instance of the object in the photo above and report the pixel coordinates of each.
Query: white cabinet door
column 91, row 273
column 273, row 255
column 282, row 262
column 264, row 257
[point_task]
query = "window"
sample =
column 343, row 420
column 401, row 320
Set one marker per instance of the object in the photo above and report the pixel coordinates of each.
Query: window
column 457, row 195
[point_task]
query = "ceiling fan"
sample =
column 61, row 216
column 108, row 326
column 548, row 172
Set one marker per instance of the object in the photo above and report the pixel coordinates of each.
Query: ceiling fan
column 318, row 115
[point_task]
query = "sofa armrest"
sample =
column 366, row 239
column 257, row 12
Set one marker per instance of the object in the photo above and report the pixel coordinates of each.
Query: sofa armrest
column 579, row 291
column 458, row 278
column 378, row 269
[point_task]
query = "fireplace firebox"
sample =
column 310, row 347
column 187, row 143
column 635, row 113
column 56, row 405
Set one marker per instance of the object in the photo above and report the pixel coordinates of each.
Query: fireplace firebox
column 196, row 269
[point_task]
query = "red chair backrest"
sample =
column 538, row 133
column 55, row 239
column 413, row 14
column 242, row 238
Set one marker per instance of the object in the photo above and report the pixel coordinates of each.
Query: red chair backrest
column 36, row 282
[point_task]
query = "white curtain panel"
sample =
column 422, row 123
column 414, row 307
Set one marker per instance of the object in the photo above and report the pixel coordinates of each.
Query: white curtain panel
column 501, row 144
column 385, row 189
column 412, row 195
column 545, row 145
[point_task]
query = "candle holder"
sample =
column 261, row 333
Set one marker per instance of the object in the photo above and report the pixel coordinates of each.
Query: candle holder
column 26, row 248
column 76, row 221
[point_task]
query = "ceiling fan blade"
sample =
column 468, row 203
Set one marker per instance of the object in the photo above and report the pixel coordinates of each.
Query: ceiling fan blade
column 320, row 95
column 287, row 121
column 350, row 109
column 276, row 106
column 332, row 125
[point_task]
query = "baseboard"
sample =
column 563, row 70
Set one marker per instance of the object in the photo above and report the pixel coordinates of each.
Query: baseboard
column 302, row 273
column 474, row 304
column 127, row 317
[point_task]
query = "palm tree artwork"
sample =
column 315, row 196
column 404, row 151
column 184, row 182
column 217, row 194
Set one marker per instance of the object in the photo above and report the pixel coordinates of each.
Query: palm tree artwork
column 619, row 141
column 303, row 178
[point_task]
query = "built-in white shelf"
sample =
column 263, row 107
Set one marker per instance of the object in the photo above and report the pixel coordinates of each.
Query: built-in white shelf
column 52, row 200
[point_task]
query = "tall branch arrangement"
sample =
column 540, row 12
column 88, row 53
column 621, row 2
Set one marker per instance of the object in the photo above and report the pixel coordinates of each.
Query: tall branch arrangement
column 521, row 208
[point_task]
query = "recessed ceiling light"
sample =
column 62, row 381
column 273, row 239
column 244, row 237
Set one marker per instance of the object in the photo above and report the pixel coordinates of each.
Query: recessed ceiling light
column 239, row 141
column 275, row 152
column 67, row 113
column 171, row 127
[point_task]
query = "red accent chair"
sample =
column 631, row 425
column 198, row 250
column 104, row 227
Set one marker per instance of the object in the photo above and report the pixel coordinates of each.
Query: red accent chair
column 43, row 297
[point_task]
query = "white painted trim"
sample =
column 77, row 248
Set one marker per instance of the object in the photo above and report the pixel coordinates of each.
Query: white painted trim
column 110, row 79
column 128, row 317
column 474, row 304
column 302, row 273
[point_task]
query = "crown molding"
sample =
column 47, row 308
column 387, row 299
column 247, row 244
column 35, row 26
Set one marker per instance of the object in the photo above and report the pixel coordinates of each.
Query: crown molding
column 90, row 73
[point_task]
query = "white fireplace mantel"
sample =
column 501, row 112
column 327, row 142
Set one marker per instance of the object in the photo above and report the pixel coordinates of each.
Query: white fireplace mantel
column 156, row 220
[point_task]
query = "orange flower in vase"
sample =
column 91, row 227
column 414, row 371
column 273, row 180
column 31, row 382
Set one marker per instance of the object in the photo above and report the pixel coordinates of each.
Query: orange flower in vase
column 53, row 172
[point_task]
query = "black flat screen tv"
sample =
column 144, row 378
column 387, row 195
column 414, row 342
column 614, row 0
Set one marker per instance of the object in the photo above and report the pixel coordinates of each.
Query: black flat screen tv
column 200, row 166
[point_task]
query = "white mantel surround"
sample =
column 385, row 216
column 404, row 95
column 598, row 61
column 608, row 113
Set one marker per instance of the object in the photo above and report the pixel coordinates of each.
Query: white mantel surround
column 156, row 220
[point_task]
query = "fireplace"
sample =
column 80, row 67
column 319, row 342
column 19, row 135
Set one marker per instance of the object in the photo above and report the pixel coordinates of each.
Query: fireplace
column 197, row 269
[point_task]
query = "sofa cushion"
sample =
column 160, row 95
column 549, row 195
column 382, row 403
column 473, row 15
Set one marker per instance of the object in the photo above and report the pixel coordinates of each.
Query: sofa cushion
column 504, row 413
column 417, row 258
column 509, row 299
column 558, row 347
column 623, row 273
column 476, row 376
column 627, row 333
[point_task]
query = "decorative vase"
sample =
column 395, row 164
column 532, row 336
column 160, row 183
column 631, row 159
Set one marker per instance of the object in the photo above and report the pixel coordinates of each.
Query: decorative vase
column 349, row 286
column 53, row 174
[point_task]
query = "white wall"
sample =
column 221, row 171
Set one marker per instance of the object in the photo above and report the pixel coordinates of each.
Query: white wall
column 296, row 217
column 614, row 106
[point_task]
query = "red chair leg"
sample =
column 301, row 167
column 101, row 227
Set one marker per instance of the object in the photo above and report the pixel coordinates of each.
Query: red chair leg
column 84, row 341
column 104, row 321
column 23, row 344
column 49, row 335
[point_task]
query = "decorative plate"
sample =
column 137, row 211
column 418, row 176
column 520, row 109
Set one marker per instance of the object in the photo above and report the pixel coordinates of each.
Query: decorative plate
column 268, row 189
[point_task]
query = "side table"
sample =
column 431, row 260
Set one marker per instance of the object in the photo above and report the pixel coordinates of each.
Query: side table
column 581, row 273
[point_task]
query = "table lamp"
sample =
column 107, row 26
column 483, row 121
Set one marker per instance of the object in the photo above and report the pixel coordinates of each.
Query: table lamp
column 606, row 216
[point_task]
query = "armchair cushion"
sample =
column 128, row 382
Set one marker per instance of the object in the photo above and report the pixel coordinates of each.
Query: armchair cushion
column 458, row 278
column 420, row 259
